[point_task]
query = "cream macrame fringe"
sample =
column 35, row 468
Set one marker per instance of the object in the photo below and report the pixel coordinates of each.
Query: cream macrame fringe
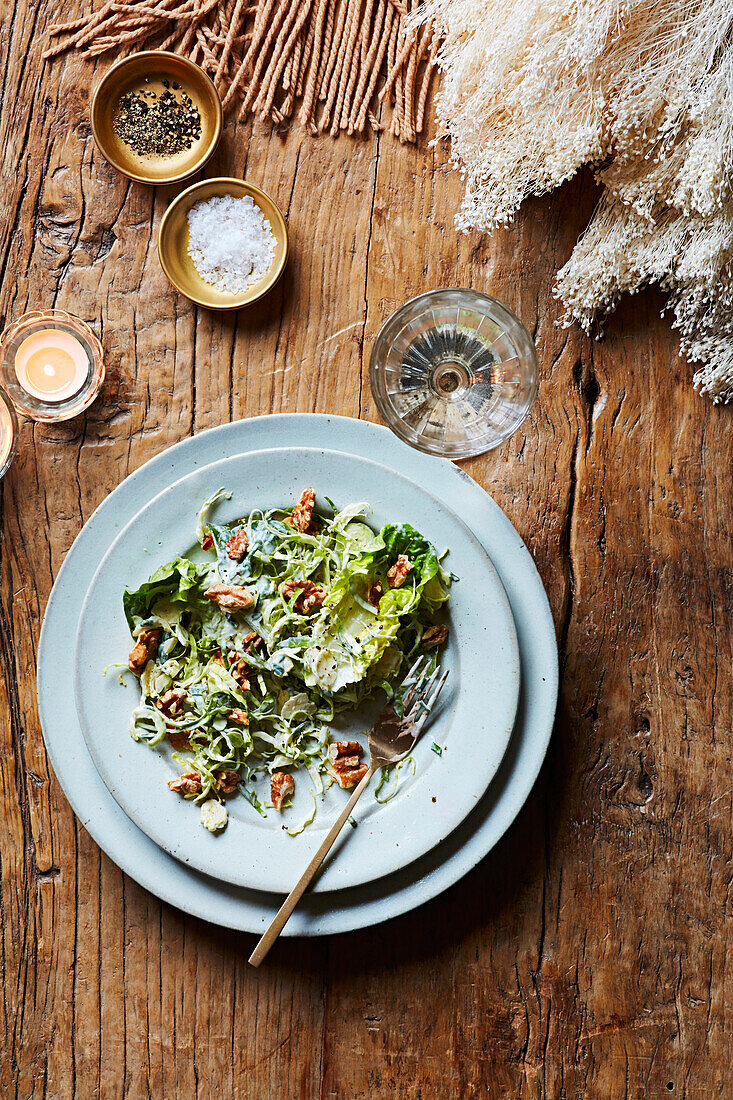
column 268, row 56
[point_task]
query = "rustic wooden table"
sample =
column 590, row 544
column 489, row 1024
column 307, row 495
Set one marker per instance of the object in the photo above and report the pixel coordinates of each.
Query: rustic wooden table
column 586, row 956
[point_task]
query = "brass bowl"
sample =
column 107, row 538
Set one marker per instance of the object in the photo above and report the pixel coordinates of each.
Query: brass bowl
column 173, row 244
column 131, row 75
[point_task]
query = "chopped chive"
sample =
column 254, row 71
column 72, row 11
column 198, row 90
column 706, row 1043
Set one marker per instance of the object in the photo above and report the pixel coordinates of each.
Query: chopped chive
column 351, row 822
column 436, row 749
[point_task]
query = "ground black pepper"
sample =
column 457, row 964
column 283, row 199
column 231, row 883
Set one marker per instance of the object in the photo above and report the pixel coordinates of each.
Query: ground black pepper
column 157, row 125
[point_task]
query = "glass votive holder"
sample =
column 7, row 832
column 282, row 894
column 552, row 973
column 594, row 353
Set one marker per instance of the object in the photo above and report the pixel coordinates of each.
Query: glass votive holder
column 8, row 431
column 51, row 365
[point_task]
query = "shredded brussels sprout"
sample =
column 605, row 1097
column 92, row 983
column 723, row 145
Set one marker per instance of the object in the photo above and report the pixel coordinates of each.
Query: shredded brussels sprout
column 389, row 777
column 241, row 694
column 295, row 830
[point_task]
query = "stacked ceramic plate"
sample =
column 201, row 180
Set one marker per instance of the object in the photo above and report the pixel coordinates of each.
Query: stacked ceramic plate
column 493, row 724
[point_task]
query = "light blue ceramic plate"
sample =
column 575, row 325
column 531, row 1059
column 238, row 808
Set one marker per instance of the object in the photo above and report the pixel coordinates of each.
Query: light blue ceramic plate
column 472, row 725
column 361, row 906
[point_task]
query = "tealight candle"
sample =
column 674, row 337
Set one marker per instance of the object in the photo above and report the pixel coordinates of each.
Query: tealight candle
column 51, row 365
column 8, row 432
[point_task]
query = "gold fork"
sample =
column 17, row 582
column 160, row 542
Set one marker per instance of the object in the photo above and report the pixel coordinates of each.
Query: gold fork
column 392, row 738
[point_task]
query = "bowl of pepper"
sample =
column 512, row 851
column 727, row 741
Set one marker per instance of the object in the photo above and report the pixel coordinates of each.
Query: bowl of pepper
column 156, row 117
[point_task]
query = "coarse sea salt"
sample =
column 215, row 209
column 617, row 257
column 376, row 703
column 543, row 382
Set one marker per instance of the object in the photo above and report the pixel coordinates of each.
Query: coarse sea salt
column 231, row 242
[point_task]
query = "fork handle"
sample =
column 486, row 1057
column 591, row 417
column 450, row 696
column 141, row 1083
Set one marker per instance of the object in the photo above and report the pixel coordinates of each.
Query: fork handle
column 283, row 914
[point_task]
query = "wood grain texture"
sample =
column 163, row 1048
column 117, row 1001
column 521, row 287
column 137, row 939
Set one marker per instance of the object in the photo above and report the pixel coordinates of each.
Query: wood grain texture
column 589, row 955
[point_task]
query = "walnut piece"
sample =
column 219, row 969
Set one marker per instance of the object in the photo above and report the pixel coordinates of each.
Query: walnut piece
column 435, row 635
column 344, row 760
column 238, row 716
column 396, row 575
column 178, row 740
column 146, row 646
column 238, row 669
column 189, row 783
column 302, row 513
column 375, row 593
column 171, row 703
column 230, row 597
column 207, row 542
column 237, row 545
column 349, row 777
column 227, row 781
column 345, row 753
column 253, row 641
column 282, row 786
column 311, row 597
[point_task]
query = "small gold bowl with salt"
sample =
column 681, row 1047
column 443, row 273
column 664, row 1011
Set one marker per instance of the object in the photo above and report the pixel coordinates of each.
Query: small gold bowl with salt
column 223, row 243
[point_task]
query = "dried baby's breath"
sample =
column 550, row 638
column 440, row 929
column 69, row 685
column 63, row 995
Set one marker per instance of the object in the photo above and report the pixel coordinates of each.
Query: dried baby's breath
column 643, row 90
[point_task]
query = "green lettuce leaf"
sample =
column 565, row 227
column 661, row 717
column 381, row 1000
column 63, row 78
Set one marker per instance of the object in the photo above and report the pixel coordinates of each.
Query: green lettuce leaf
column 354, row 635
column 433, row 583
column 180, row 581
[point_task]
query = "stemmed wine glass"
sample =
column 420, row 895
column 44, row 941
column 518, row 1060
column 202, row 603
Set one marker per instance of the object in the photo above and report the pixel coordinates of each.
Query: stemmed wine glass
column 453, row 372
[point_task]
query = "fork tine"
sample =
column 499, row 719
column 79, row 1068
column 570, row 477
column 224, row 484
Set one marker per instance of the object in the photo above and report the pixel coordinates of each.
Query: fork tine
column 413, row 670
column 437, row 690
column 417, row 701
column 417, row 686
column 429, row 704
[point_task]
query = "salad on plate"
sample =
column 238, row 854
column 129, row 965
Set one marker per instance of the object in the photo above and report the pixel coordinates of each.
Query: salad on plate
column 294, row 616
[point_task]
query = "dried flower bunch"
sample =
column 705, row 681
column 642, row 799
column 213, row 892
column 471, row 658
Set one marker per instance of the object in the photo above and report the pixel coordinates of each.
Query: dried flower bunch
column 268, row 55
column 643, row 90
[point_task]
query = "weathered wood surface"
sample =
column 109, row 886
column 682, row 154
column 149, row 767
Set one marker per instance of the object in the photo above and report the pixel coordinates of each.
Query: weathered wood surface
column 587, row 955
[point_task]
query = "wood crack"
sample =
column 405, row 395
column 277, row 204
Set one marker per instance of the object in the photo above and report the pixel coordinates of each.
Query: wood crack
column 567, row 610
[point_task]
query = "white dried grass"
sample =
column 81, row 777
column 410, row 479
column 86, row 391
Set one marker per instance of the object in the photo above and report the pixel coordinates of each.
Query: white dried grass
column 643, row 90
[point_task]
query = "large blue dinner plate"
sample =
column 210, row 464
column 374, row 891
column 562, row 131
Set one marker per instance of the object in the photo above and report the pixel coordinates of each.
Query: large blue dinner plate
column 345, row 909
